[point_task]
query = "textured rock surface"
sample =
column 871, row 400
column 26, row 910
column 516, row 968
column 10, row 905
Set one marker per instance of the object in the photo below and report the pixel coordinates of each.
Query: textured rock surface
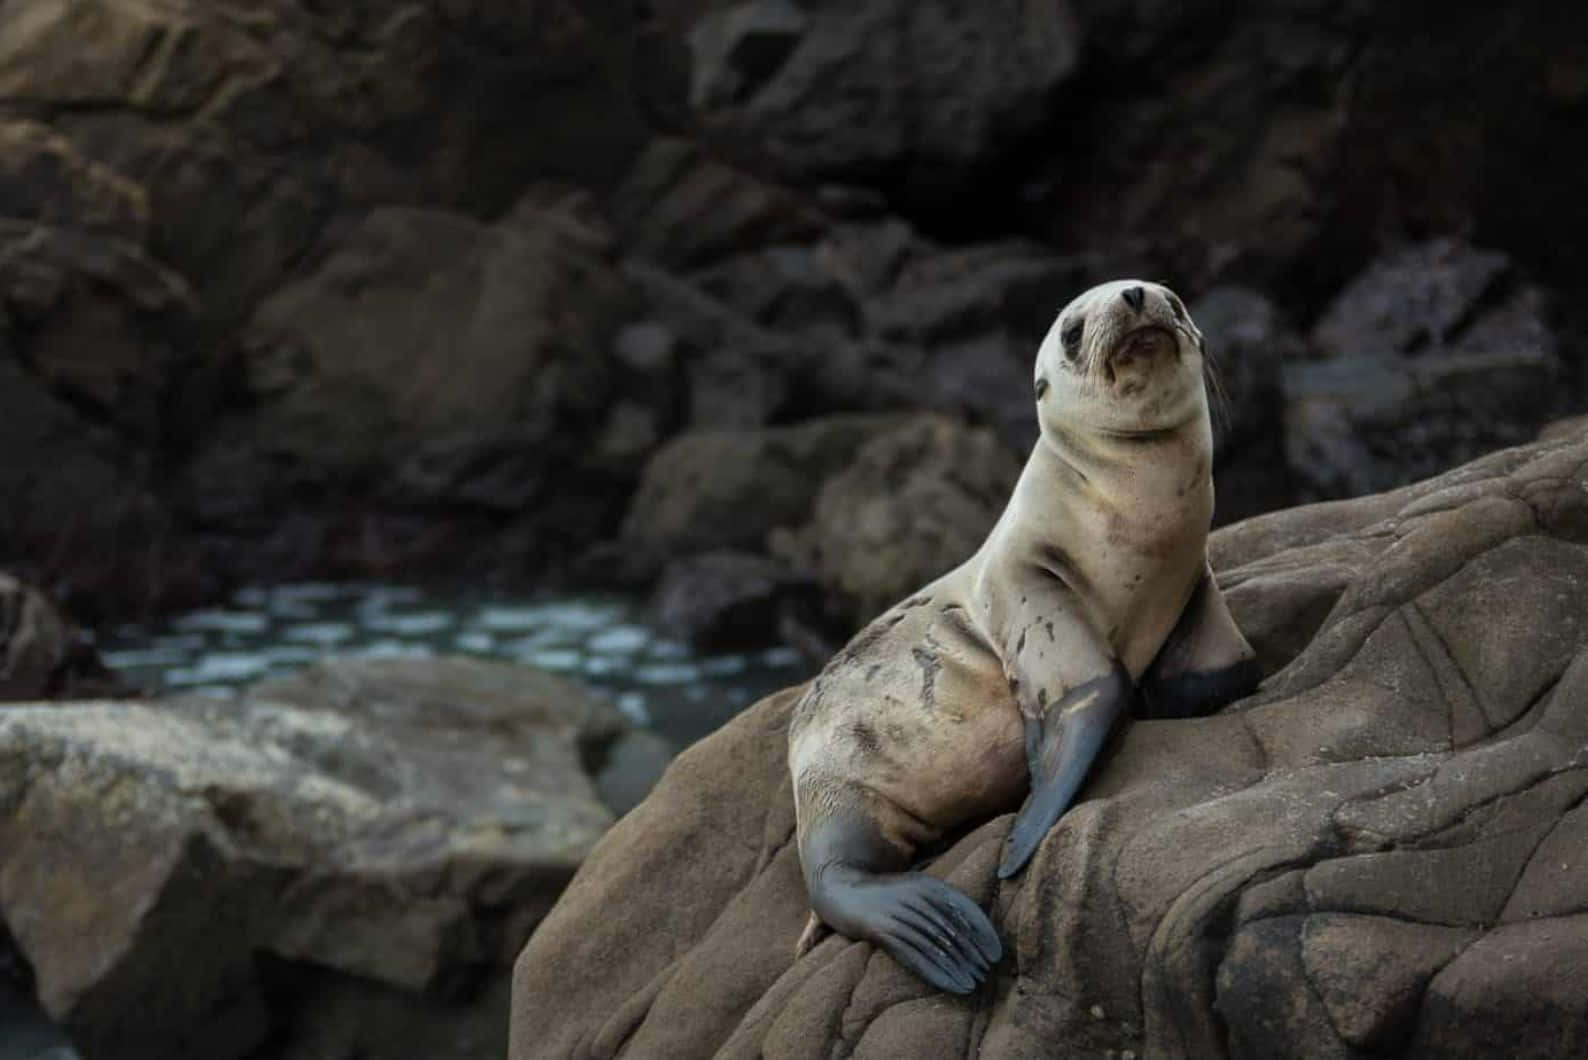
column 916, row 502
column 234, row 235
column 926, row 91
column 723, row 600
column 720, row 489
column 1379, row 850
column 392, row 827
column 432, row 362
column 1435, row 354
column 1249, row 343
column 96, row 338
column 43, row 655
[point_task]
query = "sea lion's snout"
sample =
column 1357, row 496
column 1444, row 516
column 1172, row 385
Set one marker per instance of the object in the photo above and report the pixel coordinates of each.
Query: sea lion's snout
column 1124, row 354
column 1134, row 357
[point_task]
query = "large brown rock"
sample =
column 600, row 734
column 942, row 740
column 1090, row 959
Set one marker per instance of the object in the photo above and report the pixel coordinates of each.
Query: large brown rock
column 175, row 871
column 1375, row 851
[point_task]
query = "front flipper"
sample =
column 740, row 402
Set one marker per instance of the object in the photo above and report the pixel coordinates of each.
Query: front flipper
column 1066, row 743
column 1205, row 662
column 923, row 923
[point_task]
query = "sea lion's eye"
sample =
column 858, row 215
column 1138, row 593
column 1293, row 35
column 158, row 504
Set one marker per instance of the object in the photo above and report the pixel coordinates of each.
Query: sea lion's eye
column 1042, row 386
column 1072, row 337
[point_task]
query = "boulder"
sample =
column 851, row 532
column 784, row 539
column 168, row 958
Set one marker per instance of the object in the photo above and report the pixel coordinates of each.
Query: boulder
column 97, row 351
column 98, row 321
column 174, row 870
column 708, row 490
column 1186, row 156
column 80, row 514
column 725, row 601
column 433, row 364
column 919, row 95
column 1562, row 429
column 1436, row 353
column 872, row 315
column 914, row 504
column 43, row 655
column 1373, row 852
column 680, row 208
column 45, row 178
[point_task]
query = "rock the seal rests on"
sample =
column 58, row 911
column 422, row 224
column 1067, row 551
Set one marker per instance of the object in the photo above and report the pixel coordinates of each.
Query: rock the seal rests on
column 1091, row 594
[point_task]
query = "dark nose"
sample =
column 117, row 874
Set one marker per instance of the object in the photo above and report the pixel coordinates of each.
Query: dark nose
column 1134, row 297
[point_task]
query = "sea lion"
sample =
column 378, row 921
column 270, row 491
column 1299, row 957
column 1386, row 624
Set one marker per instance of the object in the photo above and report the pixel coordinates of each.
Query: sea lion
column 1091, row 594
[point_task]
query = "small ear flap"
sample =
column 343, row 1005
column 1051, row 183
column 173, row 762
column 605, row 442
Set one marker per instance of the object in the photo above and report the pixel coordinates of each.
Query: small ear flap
column 1042, row 386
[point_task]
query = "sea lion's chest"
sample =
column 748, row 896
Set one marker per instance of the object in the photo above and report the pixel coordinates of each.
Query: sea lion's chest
column 1135, row 534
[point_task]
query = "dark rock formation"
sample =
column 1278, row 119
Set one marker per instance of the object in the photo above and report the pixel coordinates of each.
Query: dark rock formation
column 43, row 655
column 915, row 503
column 194, row 877
column 722, row 489
column 1434, row 354
column 1248, row 346
column 922, row 94
column 430, row 364
column 96, row 341
column 1376, row 852
column 240, row 247
column 726, row 600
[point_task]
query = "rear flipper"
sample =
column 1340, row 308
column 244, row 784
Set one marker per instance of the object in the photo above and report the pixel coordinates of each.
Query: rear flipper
column 923, row 923
column 1061, row 749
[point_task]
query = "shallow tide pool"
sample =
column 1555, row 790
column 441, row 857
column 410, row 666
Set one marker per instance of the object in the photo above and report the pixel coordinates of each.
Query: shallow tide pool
column 602, row 642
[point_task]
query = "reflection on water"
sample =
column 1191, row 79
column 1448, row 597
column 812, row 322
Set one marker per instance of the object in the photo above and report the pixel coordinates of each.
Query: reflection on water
column 602, row 642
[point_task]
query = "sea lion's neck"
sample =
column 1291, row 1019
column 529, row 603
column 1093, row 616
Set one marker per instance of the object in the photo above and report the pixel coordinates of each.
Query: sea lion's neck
column 1117, row 465
column 1077, row 480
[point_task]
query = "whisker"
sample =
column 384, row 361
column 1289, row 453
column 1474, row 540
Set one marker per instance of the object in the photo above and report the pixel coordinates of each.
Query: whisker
column 1218, row 398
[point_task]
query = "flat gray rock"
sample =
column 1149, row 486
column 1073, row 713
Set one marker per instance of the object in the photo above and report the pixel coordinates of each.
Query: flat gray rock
column 396, row 823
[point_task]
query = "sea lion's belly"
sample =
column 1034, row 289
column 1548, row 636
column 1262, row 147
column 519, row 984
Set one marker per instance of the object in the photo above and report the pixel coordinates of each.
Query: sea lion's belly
column 921, row 715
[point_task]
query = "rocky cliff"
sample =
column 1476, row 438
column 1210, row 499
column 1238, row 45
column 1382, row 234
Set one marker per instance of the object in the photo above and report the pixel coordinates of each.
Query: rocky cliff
column 438, row 289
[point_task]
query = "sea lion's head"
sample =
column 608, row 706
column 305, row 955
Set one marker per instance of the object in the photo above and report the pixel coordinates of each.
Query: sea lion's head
column 1122, row 358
